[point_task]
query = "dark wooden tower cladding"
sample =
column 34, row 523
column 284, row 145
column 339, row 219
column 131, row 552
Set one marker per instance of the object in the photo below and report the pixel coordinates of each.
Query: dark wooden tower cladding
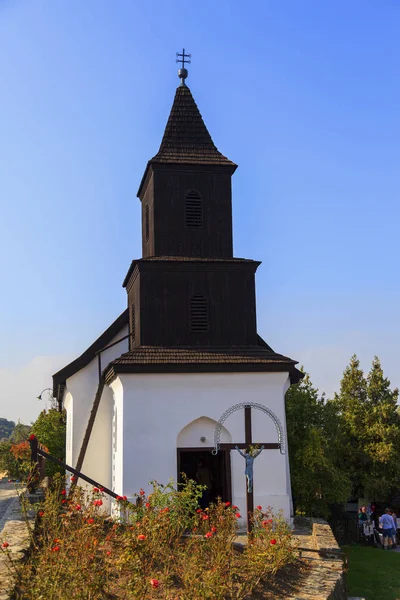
column 188, row 290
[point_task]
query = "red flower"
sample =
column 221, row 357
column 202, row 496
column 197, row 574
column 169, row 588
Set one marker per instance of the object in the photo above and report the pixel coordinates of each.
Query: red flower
column 234, row 507
column 147, row 504
column 78, row 507
column 118, row 498
column 5, row 545
column 154, row 583
column 73, row 478
column 108, row 552
column 265, row 523
column 199, row 510
column 238, row 515
column 259, row 507
column 90, row 521
column 55, row 548
column 227, row 503
column 142, row 492
column 40, row 513
column 63, row 492
column 213, row 529
column 273, row 542
column 141, row 537
column 97, row 502
column 208, row 534
column 63, row 501
column 32, row 437
column 124, row 498
column 204, row 517
column 102, row 490
column 96, row 490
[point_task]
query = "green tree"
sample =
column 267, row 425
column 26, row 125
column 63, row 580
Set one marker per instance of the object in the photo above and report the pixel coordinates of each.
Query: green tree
column 382, row 443
column 351, row 405
column 312, row 425
column 20, row 433
column 50, row 428
column 370, row 424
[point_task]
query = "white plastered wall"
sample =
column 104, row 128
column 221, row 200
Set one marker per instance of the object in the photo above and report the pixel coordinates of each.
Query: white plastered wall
column 79, row 397
column 158, row 407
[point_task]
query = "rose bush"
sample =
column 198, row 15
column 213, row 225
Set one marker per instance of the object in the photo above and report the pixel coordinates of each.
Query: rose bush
column 164, row 546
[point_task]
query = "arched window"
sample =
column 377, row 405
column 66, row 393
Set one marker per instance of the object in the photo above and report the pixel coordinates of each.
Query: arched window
column 193, row 209
column 198, row 313
column 146, row 222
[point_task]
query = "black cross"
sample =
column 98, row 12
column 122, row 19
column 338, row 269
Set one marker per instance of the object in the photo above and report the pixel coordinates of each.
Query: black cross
column 181, row 58
column 249, row 442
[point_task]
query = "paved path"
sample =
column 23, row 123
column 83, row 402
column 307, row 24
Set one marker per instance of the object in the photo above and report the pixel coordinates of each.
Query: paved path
column 8, row 495
column 13, row 529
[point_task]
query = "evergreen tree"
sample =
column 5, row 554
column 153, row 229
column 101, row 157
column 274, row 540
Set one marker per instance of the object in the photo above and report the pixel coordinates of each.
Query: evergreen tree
column 382, row 439
column 312, row 425
column 351, row 405
column 370, row 424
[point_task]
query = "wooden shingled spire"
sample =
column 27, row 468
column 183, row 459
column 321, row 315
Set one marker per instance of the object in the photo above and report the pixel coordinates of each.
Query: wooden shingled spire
column 186, row 138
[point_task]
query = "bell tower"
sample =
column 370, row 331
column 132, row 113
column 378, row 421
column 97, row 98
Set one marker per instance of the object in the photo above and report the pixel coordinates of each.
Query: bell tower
column 186, row 189
column 188, row 290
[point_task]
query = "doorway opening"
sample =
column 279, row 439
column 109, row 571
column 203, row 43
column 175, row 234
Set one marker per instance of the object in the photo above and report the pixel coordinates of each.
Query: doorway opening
column 207, row 469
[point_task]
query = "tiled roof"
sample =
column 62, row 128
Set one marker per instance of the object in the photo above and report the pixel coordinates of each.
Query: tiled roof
column 186, row 138
column 195, row 259
column 178, row 359
column 188, row 259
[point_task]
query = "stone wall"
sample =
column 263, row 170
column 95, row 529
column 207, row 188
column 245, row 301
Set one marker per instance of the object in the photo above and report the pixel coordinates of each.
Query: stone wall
column 328, row 573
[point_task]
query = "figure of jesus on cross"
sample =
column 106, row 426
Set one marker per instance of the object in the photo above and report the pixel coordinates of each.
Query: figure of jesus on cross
column 250, row 449
column 249, row 456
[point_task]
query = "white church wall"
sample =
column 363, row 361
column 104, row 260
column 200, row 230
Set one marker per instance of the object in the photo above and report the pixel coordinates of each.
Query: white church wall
column 82, row 387
column 69, row 407
column 192, row 434
column 158, row 407
column 118, row 440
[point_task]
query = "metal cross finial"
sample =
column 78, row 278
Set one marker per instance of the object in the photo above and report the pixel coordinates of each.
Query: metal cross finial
column 183, row 58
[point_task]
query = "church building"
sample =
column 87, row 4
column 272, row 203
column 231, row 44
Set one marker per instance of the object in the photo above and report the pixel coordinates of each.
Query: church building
column 181, row 377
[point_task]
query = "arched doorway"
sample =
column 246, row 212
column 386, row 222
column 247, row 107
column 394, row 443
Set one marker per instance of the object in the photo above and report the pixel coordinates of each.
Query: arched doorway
column 196, row 461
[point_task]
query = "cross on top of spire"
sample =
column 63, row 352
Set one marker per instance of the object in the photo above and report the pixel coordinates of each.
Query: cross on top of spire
column 184, row 59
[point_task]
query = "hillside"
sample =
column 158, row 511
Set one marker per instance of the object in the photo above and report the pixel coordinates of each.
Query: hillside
column 6, row 428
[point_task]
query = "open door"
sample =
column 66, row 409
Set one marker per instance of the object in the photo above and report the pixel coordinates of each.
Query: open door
column 205, row 468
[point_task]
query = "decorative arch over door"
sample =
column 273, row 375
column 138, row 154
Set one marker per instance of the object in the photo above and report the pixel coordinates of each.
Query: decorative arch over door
column 249, row 405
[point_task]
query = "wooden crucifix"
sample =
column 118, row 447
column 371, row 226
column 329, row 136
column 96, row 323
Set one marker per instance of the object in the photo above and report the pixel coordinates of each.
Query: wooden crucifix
column 247, row 444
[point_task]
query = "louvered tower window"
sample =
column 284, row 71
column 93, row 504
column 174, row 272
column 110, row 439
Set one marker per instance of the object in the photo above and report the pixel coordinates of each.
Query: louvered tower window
column 193, row 209
column 198, row 313
column 133, row 329
column 146, row 222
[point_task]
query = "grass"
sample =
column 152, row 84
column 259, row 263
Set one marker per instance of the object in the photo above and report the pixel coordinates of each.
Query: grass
column 373, row 574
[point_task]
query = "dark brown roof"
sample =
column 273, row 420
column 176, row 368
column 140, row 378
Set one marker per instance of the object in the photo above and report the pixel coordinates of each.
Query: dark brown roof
column 186, row 259
column 156, row 359
column 84, row 359
column 186, row 138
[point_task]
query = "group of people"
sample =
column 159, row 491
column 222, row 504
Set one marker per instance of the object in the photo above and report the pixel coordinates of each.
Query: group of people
column 370, row 524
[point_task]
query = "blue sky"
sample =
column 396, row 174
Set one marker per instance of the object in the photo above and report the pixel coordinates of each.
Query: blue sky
column 303, row 95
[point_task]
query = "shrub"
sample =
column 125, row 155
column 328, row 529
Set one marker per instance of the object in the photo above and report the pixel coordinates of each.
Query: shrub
column 162, row 547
